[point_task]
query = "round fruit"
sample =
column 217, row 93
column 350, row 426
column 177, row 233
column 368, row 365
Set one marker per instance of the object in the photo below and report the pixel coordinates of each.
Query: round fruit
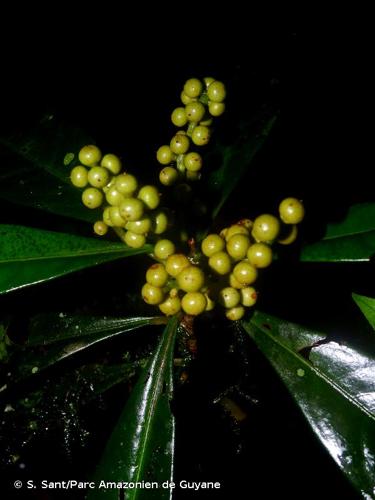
column 220, row 262
column 229, row 297
column 168, row 176
column 170, row 306
column 178, row 117
column 235, row 313
column 190, row 279
column 176, row 263
column 235, row 229
column 193, row 87
column 134, row 240
column 98, row 177
column 112, row 163
column 237, row 246
column 164, row 155
column 160, row 222
column 210, row 303
column 245, row 273
column 248, row 296
column 152, row 294
column 114, row 197
column 131, row 209
column 195, row 111
column 141, row 226
column 106, row 217
column 291, row 211
column 126, row 184
column 260, row 255
column 185, row 99
column 233, row 281
column 180, row 144
column 89, row 155
column 216, row 91
column 290, row 238
column 92, row 197
column 208, row 80
column 79, row 177
column 266, row 228
column 115, row 216
column 150, row 196
column 216, row 108
column 193, row 161
column 194, row 303
column 200, row 135
column 100, row 228
column 163, row 249
column 157, row 275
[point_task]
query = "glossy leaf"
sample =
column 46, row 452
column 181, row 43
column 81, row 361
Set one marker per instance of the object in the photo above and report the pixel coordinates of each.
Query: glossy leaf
column 350, row 240
column 367, row 306
column 236, row 159
column 141, row 446
column 334, row 387
column 29, row 256
column 81, row 333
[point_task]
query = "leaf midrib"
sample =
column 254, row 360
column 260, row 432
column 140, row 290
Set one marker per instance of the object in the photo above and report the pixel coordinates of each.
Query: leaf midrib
column 347, row 235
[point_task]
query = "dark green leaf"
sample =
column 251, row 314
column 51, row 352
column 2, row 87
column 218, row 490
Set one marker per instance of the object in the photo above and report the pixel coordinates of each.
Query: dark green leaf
column 30, row 256
column 236, row 159
column 142, row 445
column 334, row 387
column 367, row 306
column 352, row 239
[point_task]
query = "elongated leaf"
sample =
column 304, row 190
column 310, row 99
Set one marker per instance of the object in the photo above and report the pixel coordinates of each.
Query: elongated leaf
column 236, row 159
column 350, row 240
column 37, row 358
column 367, row 306
column 30, row 256
column 142, row 445
column 335, row 389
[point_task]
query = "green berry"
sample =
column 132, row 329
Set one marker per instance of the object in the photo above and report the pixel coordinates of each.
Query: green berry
column 210, row 303
column 141, row 226
column 160, row 222
column 248, row 296
column 134, row 240
column 92, row 197
column 168, row 176
column 152, row 295
column 131, row 209
column 266, row 228
column 78, row 176
column 163, row 249
column 180, row 144
column 212, row 244
column 176, row 263
column 193, row 161
column 216, row 91
column 114, row 197
column 245, row 273
column 98, row 177
column 235, row 229
column 201, row 135
column 235, row 283
column 208, row 80
column 229, row 297
column 157, row 275
column 291, row 211
column 150, row 196
column 220, row 262
column 126, row 184
column 178, row 117
column 193, row 176
column 107, row 218
column 207, row 122
column 89, row 155
column 237, row 246
column 290, row 238
column 112, row 163
column 195, row 111
column 170, row 306
column 190, row 279
column 100, row 228
column 185, row 99
column 165, row 155
column 115, row 216
column 259, row 255
column 235, row 313
column 216, row 108
column 193, row 87
column 194, row 303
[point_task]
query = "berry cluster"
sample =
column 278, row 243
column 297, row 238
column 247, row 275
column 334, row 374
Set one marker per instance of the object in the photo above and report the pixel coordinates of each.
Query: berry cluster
column 129, row 208
column 202, row 102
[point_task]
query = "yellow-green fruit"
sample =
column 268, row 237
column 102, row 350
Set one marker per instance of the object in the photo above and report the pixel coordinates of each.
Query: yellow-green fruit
column 216, row 92
column 193, row 176
column 193, row 161
column 100, row 228
column 126, row 184
column 160, row 222
column 141, row 226
column 235, row 283
column 168, row 176
column 229, row 297
column 92, row 197
column 190, row 279
column 266, row 228
column 290, row 238
column 216, row 108
column 150, row 196
column 220, row 262
column 245, row 273
column 195, row 111
column 179, row 144
column 194, row 303
column 114, row 197
column 210, row 303
column 248, row 296
column 157, row 275
column 235, row 313
column 291, row 211
column 79, row 177
column 185, row 99
column 201, row 135
column 165, row 155
column 112, row 163
column 208, row 80
column 98, row 177
column 89, row 155
column 115, row 216
column 176, row 263
column 171, row 306
column 260, row 255
column 178, row 117
column 134, row 240
column 131, row 209
column 237, row 246
column 163, row 249
column 106, row 217
column 152, row 295
column 193, row 87
column 235, row 229
column 211, row 244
